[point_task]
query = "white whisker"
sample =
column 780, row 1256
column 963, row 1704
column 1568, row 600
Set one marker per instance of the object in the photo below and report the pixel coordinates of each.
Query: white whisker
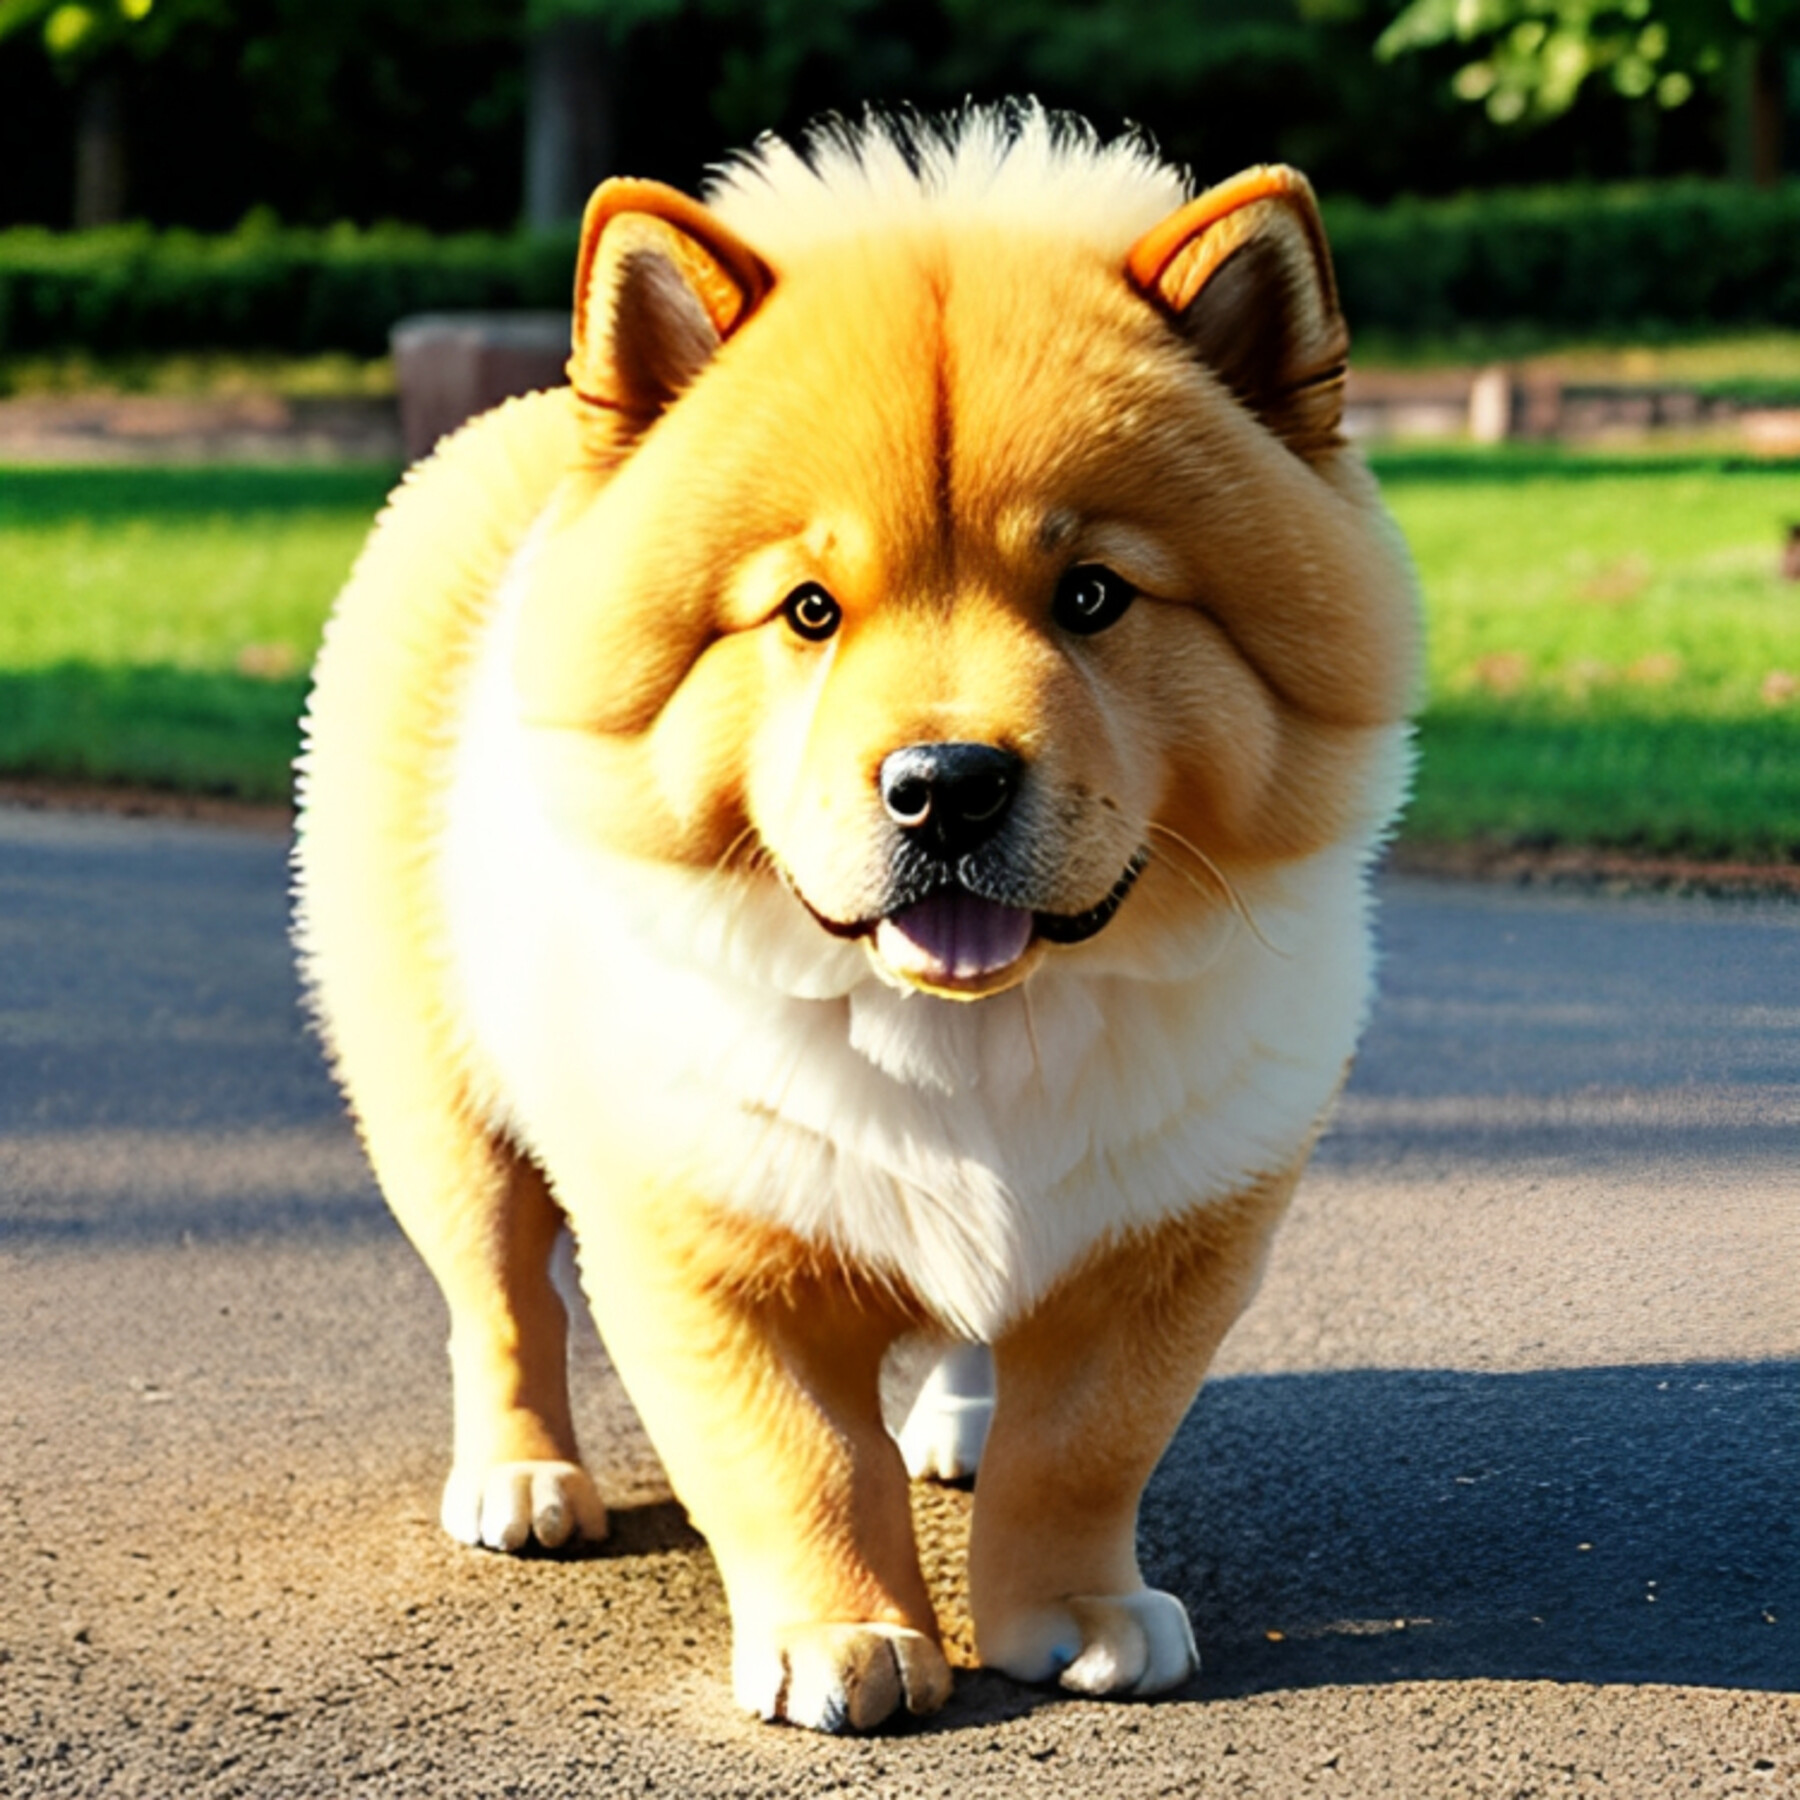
column 723, row 864
column 1031, row 1036
column 1222, row 885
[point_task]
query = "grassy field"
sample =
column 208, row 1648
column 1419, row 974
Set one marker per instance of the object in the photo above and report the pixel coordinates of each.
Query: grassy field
column 1614, row 656
column 1615, row 659
column 156, row 624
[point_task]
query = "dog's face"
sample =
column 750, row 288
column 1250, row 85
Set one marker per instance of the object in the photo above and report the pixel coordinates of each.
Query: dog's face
column 990, row 594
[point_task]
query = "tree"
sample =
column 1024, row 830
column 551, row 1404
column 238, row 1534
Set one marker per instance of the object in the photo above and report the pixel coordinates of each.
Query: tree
column 321, row 109
column 91, row 42
column 1532, row 57
column 574, row 48
column 1223, row 81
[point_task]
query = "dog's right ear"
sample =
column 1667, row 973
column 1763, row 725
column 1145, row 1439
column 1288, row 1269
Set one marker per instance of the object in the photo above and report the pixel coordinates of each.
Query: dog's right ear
column 659, row 286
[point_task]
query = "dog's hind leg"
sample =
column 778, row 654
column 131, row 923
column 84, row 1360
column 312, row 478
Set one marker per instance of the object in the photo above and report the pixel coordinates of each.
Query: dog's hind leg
column 947, row 1425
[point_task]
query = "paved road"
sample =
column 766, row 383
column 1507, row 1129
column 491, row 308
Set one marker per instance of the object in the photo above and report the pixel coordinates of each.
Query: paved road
column 1496, row 1491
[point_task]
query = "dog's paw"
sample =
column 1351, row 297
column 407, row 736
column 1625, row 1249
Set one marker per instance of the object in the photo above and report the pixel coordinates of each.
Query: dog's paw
column 505, row 1506
column 839, row 1677
column 1126, row 1644
column 946, row 1430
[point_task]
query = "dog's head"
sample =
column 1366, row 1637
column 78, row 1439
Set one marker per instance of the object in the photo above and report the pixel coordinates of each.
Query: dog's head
column 985, row 583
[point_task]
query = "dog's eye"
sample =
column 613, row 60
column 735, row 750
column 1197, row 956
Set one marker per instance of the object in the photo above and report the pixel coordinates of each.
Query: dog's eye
column 812, row 612
column 1091, row 597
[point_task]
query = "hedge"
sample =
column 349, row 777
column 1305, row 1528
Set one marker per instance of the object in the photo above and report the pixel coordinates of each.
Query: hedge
column 129, row 288
column 1597, row 261
column 1665, row 257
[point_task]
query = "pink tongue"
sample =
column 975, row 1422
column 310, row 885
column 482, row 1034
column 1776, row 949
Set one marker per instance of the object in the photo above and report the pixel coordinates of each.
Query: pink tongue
column 954, row 935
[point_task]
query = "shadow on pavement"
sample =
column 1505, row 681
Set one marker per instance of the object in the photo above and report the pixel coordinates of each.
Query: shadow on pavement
column 1608, row 1525
column 1595, row 1525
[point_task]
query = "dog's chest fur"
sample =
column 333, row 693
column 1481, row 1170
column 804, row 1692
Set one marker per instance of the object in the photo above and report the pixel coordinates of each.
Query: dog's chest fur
column 637, row 1026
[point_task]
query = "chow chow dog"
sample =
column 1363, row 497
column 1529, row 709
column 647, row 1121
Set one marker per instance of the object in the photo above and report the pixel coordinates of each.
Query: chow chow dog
column 859, row 807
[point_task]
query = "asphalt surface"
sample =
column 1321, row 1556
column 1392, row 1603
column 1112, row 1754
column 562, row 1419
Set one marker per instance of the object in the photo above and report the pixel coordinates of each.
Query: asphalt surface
column 1496, row 1489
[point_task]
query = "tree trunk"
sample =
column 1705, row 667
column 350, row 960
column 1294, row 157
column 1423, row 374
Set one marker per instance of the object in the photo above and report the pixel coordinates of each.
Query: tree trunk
column 568, row 119
column 1758, row 85
column 100, row 149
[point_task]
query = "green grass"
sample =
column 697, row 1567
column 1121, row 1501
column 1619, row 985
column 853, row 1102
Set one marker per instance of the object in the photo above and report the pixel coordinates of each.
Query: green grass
column 157, row 624
column 1612, row 660
column 1613, row 653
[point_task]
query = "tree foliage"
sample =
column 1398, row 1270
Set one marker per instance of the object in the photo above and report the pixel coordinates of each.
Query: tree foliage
column 75, row 32
column 320, row 108
column 415, row 109
column 1531, row 58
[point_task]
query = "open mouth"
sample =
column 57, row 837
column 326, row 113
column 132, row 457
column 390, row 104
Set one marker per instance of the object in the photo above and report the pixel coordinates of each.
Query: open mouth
column 957, row 942
column 953, row 937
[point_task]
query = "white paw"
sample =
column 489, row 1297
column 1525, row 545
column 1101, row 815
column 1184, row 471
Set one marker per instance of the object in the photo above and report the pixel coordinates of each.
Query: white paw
column 946, row 1430
column 1098, row 1644
column 838, row 1677
column 505, row 1506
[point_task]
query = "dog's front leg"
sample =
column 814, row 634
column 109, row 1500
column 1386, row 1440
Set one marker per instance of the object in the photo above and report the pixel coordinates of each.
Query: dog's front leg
column 755, row 1362
column 1091, row 1386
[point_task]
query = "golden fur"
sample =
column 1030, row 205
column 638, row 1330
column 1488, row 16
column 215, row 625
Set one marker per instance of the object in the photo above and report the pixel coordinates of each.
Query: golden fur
column 616, row 908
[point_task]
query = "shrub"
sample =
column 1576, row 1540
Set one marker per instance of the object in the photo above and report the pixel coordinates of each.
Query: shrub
column 1662, row 258
column 1656, row 258
column 128, row 288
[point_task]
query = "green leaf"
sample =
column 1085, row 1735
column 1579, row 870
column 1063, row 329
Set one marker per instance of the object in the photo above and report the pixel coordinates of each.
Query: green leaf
column 21, row 15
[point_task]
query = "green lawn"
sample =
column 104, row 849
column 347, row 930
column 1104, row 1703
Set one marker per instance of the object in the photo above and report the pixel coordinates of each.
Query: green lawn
column 1614, row 658
column 156, row 624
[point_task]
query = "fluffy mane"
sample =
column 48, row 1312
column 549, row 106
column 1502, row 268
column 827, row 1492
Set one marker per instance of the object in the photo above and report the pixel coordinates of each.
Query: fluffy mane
column 1016, row 163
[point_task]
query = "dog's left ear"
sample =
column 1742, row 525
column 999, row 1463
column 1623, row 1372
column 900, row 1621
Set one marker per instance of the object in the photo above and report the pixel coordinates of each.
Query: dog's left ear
column 1244, row 275
column 660, row 284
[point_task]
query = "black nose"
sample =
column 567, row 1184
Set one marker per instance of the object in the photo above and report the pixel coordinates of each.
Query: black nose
column 952, row 797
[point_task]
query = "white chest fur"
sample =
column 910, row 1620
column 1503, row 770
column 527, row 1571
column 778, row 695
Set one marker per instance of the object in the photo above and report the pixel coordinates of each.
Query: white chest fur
column 626, row 1019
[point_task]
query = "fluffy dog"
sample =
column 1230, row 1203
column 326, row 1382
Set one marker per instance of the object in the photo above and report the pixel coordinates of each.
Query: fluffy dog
column 860, row 806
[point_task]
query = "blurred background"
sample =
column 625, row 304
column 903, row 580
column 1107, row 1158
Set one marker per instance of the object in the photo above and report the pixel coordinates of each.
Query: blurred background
column 485, row 113
column 255, row 253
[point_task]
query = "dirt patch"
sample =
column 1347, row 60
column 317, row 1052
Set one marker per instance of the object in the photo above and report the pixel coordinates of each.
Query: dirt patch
column 37, row 795
column 1609, row 871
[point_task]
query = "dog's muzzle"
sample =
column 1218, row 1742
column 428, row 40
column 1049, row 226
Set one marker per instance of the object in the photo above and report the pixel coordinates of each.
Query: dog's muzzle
column 957, row 919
